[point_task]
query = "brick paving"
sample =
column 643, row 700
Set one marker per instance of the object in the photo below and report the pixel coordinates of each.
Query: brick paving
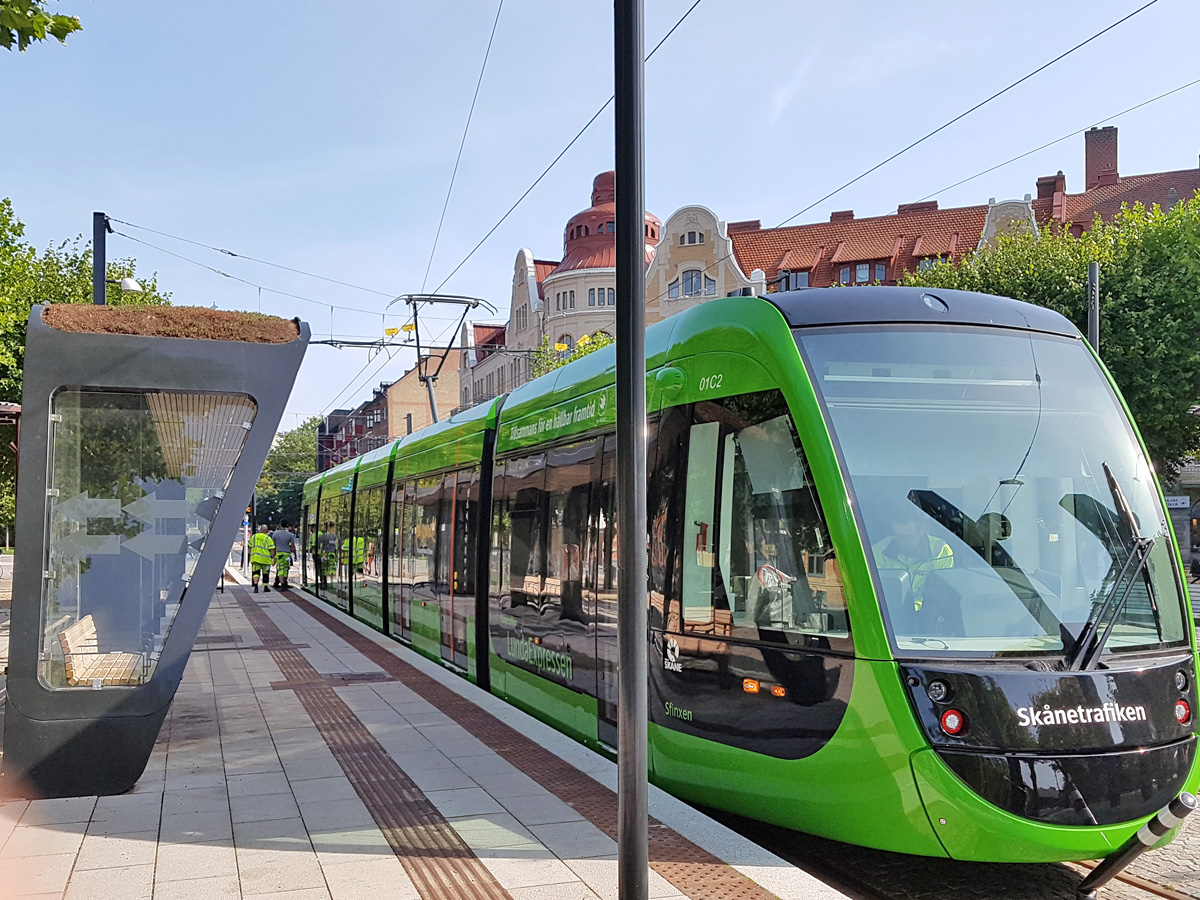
column 244, row 796
column 277, row 771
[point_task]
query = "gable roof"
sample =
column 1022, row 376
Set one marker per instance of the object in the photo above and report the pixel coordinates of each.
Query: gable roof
column 899, row 239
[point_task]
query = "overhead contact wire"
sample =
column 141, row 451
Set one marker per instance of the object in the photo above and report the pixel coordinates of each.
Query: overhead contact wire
column 562, row 153
column 462, row 143
column 963, row 115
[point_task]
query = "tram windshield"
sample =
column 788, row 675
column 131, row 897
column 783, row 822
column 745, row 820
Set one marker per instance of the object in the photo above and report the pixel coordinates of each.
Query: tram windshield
column 1006, row 501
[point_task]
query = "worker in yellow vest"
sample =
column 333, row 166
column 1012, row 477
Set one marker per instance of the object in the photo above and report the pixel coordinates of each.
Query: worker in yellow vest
column 911, row 548
column 262, row 557
column 357, row 554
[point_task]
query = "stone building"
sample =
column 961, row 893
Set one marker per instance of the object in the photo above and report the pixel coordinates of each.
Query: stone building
column 694, row 262
column 560, row 301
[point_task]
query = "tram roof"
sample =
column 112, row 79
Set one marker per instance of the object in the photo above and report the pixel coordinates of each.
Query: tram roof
column 872, row 304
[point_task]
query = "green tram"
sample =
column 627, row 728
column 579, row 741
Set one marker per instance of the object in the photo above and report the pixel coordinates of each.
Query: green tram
column 912, row 585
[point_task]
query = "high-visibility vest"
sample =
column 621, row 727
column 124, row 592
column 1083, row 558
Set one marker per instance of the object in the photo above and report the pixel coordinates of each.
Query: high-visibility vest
column 358, row 552
column 941, row 556
column 262, row 549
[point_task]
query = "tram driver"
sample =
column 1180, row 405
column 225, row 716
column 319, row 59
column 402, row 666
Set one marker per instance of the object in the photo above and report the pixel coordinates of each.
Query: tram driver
column 912, row 551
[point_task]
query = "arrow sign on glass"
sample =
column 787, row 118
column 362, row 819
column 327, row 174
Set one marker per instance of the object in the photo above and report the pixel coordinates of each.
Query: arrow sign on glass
column 148, row 545
column 80, row 544
column 81, row 507
column 147, row 508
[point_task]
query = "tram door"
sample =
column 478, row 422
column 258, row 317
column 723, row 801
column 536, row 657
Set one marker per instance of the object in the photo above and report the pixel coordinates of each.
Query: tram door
column 461, row 574
column 603, row 590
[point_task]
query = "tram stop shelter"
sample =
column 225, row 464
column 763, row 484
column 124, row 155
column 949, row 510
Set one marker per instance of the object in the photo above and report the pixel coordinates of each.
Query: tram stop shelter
column 144, row 432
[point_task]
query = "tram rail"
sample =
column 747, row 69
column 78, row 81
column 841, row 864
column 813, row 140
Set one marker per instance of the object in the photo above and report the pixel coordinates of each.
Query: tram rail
column 866, row 874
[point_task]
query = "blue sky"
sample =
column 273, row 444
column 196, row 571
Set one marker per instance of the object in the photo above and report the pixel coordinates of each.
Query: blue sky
column 322, row 136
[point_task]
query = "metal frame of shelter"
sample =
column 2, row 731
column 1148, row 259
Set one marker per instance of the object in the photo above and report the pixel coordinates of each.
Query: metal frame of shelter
column 123, row 550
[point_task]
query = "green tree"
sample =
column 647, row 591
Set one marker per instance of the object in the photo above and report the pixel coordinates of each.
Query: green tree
column 1149, row 307
column 61, row 274
column 291, row 461
column 24, row 21
column 546, row 358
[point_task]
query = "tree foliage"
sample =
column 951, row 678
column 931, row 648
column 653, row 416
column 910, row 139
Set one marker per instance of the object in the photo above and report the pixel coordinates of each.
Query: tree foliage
column 546, row 358
column 24, row 21
column 291, row 461
column 60, row 274
column 1149, row 307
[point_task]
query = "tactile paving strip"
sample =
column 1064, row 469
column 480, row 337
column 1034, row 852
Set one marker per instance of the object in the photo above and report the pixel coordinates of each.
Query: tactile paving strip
column 690, row 868
column 439, row 862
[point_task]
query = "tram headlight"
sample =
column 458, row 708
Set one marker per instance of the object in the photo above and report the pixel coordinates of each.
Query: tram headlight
column 1181, row 681
column 953, row 722
column 938, row 691
column 1183, row 712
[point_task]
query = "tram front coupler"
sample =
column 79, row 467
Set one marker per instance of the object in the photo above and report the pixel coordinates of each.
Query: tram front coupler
column 1147, row 836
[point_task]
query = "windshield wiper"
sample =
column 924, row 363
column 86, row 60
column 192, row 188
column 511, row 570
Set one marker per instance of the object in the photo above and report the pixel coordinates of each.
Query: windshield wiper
column 1086, row 653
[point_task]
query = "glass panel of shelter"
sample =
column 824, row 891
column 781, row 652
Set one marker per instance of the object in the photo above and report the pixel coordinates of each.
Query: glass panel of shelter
column 136, row 479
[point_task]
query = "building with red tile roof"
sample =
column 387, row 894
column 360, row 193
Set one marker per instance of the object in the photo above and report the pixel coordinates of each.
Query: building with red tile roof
column 846, row 250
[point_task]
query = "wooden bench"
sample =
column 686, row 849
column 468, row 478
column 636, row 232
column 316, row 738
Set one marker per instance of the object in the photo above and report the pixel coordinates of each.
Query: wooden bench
column 85, row 664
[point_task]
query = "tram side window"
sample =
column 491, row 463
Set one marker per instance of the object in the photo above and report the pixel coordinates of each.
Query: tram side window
column 524, row 562
column 758, row 562
column 569, row 491
column 425, row 537
column 500, row 530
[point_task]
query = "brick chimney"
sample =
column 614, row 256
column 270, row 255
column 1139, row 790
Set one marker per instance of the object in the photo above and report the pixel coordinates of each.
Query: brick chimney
column 845, row 215
column 1049, row 185
column 1100, row 156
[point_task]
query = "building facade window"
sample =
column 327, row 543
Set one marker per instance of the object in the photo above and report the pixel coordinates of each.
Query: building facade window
column 790, row 281
column 612, row 298
column 610, row 227
column 928, row 262
column 880, row 272
column 591, row 296
column 673, row 289
column 572, row 299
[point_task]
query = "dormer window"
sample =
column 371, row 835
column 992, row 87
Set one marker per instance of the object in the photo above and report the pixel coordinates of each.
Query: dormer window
column 862, row 273
column 610, row 227
column 790, row 281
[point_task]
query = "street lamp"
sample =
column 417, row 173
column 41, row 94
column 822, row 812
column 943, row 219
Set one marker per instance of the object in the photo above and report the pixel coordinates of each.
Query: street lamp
column 127, row 284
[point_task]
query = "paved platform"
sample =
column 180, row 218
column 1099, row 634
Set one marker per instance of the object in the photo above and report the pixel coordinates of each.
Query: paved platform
column 307, row 757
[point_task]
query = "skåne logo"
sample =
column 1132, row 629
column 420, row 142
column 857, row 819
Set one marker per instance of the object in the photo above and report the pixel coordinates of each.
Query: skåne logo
column 1109, row 712
column 671, row 656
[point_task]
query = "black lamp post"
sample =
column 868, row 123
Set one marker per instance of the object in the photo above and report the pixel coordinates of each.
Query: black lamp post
column 100, row 228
